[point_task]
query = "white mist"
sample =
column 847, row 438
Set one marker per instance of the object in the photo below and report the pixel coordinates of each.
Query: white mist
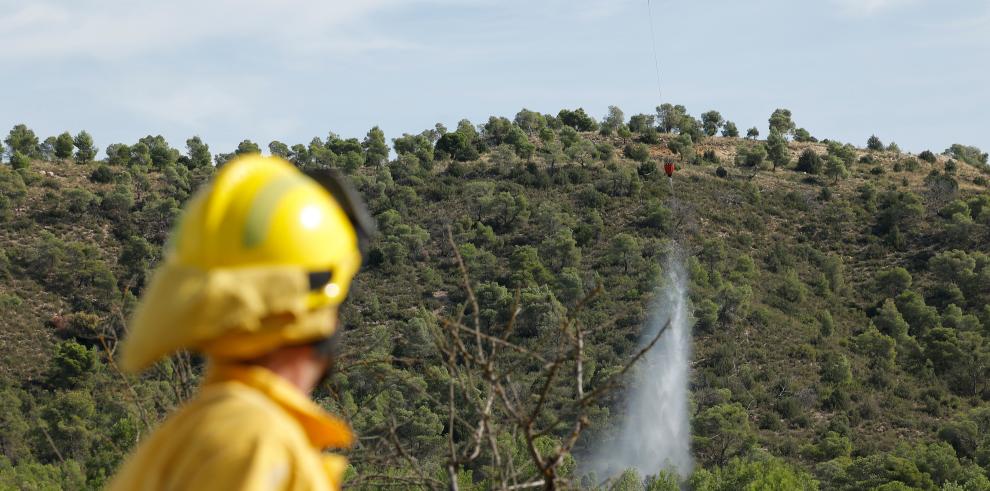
column 655, row 433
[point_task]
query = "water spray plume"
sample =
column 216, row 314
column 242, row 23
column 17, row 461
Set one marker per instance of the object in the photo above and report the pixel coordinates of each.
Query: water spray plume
column 655, row 433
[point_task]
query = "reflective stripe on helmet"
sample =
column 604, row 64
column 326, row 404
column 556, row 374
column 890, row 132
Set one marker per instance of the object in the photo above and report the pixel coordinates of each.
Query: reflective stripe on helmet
column 260, row 214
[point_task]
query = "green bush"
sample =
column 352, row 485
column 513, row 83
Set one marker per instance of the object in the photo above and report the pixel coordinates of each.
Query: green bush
column 19, row 160
column 803, row 135
column 751, row 155
column 577, row 119
column 637, row 151
column 874, row 143
column 971, row 155
column 810, row 162
column 456, row 146
column 102, row 174
column 759, row 472
column 729, row 130
column 721, row 433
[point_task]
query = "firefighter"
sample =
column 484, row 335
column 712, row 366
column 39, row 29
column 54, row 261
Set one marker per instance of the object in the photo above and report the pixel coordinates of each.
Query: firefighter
column 252, row 279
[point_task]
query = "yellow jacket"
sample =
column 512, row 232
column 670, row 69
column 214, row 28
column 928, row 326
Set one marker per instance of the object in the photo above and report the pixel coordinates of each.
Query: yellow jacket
column 247, row 429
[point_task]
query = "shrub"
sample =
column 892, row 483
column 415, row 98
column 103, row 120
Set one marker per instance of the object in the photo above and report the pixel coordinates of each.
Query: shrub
column 892, row 282
column 456, row 146
column 20, row 161
column 877, row 347
column 729, row 130
column 751, row 155
column 656, row 216
column 647, row 168
column 637, row 151
column 836, row 169
column 722, row 432
column 683, row 145
column 758, row 472
column 971, row 155
column 810, row 162
column 102, row 174
column 802, row 135
column 835, row 369
column 910, row 164
column 71, row 365
column 577, row 119
column 874, row 144
column 792, row 289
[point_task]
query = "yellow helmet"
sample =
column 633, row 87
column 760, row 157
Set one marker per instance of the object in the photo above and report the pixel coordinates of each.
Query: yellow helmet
column 261, row 258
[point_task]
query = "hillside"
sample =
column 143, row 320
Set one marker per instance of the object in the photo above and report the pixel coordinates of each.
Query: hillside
column 842, row 335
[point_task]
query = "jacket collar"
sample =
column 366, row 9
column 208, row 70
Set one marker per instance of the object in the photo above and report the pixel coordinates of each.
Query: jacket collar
column 323, row 429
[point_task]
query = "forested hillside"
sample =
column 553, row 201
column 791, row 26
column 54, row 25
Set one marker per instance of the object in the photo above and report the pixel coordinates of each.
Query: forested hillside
column 841, row 295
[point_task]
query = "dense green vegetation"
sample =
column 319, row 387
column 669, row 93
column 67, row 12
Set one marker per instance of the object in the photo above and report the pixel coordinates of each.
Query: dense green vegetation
column 841, row 297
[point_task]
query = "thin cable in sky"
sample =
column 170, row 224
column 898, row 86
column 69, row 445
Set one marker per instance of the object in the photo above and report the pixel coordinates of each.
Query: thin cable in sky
column 653, row 39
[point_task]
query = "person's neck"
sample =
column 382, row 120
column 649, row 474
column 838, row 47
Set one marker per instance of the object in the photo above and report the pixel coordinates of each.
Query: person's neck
column 297, row 365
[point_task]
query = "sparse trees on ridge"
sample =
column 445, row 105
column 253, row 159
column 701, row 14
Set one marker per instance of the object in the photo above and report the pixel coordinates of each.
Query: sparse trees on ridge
column 777, row 150
column 874, row 143
column 781, row 121
column 639, row 123
column 22, row 139
column 803, row 135
column 85, row 150
column 711, row 121
column 375, row 149
column 729, row 130
column 279, row 149
column 64, row 144
column 577, row 119
column 613, row 120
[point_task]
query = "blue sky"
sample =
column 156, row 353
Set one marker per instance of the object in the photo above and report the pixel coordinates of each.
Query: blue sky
column 912, row 71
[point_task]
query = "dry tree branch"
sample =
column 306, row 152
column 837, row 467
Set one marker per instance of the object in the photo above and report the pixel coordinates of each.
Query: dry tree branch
column 611, row 381
column 51, row 443
column 412, row 461
column 483, row 404
column 130, row 387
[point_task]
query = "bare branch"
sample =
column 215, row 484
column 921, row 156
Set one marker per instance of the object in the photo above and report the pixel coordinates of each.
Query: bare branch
column 610, row 382
column 412, row 461
column 130, row 388
column 485, row 374
column 52, row 443
column 470, row 292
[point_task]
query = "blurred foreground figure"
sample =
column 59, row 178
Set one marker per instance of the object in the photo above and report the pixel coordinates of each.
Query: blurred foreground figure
column 254, row 274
